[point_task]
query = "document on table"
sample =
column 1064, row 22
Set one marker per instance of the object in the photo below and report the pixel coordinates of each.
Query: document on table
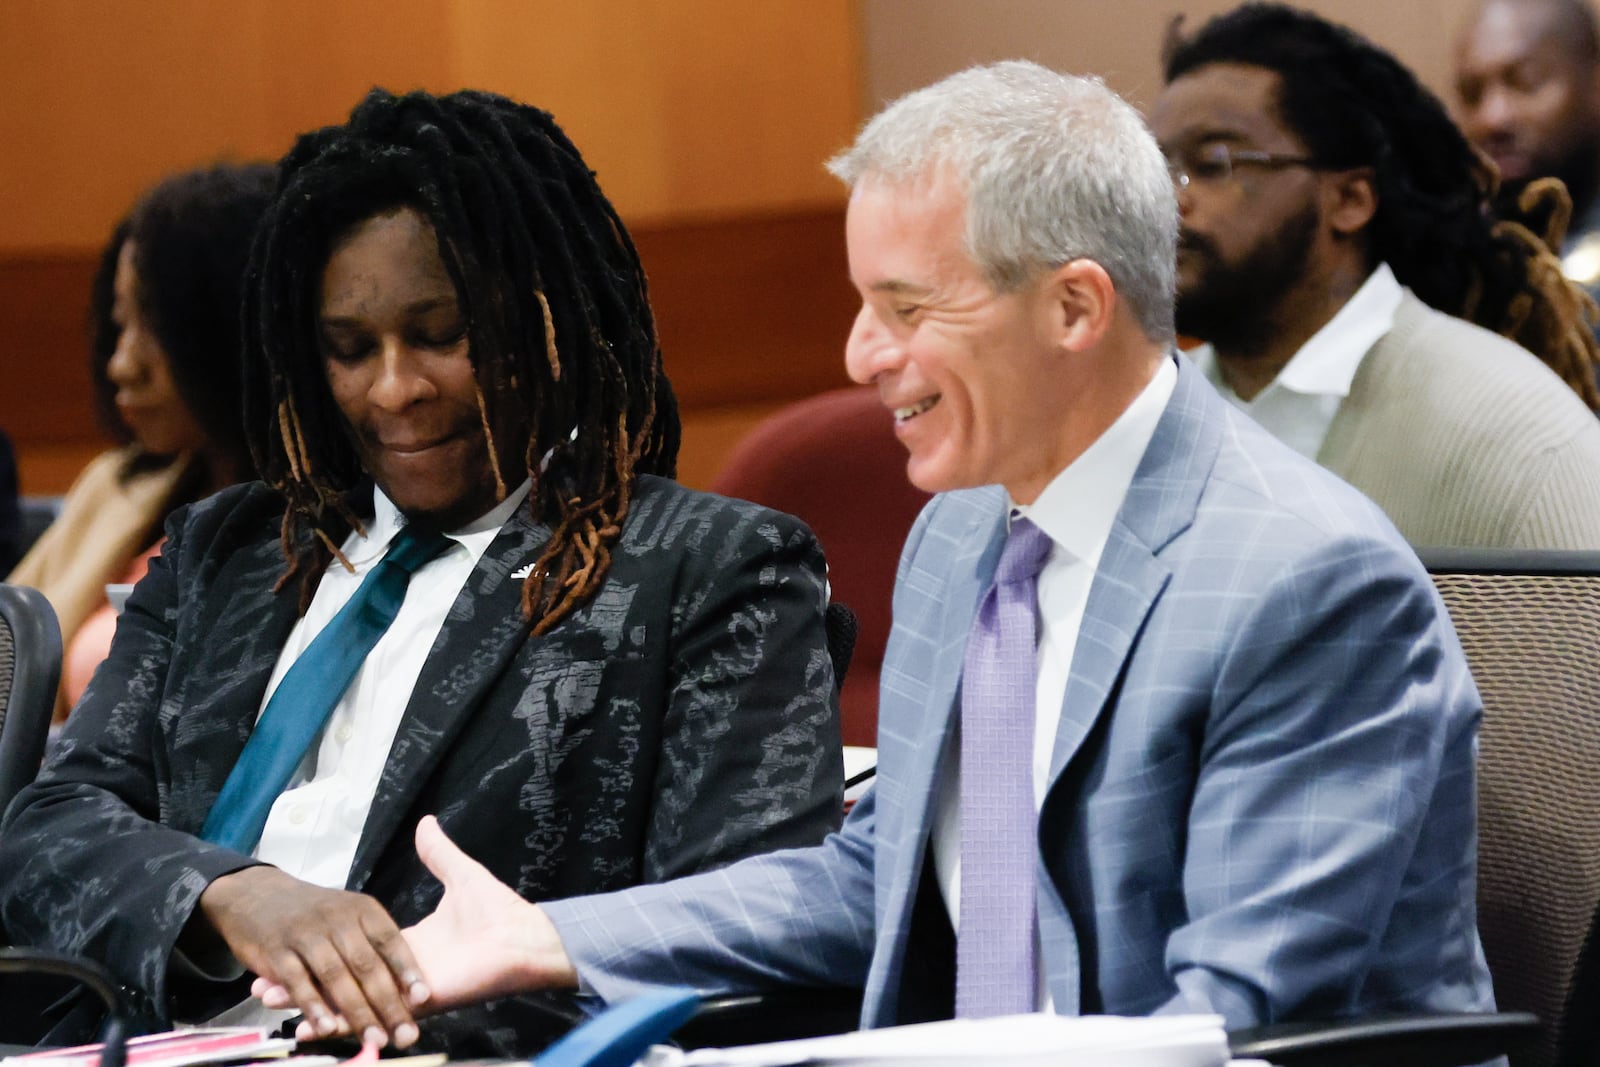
column 176, row 1048
column 1018, row 1041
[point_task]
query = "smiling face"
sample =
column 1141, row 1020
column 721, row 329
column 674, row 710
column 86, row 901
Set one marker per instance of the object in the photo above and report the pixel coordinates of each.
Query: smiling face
column 974, row 376
column 147, row 398
column 394, row 344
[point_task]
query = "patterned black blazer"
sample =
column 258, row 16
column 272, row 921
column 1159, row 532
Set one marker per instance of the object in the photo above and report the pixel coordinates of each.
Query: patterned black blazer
column 684, row 717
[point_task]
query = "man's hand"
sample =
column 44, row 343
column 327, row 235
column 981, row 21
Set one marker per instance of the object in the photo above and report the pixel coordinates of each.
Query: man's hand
column 336, row 956
column 483, row 941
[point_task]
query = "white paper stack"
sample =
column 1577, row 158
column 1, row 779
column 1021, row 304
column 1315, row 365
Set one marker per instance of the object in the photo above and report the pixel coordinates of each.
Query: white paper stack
column 1013, row 1041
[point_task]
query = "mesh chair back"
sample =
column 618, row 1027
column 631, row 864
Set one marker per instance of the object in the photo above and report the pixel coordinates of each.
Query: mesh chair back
column 30, row 668
column 1530, row 625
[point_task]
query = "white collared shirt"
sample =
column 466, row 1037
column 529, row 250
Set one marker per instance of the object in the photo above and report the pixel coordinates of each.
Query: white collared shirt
column 1076, row 510
column 1298, row 406
column 315, row 825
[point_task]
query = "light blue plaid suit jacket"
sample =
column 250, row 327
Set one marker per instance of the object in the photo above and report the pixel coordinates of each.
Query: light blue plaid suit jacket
column 1262, row 791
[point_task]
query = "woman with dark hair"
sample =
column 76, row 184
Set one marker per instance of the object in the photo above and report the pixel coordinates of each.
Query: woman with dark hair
column 165, row 360
column 466, row 584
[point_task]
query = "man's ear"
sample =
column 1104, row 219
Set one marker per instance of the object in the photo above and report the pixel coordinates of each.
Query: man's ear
column 1082, row 302
column 1350, row 199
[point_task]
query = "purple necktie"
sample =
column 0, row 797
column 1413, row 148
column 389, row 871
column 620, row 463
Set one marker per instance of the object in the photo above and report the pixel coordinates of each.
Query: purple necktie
column 995, row 946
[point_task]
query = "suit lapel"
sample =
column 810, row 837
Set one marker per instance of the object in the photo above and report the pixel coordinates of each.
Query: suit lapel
column 977, row 552
column 213, row 713
column 482, row 632
column 1160, row 504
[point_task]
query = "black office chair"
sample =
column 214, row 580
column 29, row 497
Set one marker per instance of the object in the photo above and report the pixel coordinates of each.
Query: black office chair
column 30, row 668
column 114, row 1033
column 842, row 628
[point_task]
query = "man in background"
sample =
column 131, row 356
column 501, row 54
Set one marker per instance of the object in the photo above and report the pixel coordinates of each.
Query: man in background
column 1528, row 82
column 1335, row 233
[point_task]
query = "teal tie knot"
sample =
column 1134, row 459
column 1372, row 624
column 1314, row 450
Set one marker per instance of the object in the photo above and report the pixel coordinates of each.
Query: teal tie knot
column 311, row 688
column 413, row 548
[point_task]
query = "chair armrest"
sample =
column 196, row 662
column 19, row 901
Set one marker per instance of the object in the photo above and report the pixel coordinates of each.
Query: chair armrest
column 94, row 977
column 1431, row 1040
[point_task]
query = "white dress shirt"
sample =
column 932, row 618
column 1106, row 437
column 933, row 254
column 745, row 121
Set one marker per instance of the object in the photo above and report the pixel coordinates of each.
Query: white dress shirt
column 315, row 825
column 1298, row 406
column 1076, row 510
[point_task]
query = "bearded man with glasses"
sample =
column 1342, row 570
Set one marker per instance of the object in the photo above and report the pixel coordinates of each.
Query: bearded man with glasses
column 1336, row 230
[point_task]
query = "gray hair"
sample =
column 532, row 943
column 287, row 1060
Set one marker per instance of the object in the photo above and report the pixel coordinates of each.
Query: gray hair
column 1055, row 167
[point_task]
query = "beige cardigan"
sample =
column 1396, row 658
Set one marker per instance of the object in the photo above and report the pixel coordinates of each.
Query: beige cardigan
column 1465, row 439
column 104, row 523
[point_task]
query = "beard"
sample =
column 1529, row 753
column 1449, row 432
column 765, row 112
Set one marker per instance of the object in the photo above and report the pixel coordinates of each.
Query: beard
column 1232, row 305
column 1579, row 170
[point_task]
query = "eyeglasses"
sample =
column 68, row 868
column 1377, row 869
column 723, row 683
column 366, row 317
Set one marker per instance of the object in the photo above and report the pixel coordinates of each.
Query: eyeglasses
column 1213, row 163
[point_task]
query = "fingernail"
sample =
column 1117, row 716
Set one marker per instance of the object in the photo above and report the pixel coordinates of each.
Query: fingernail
column 419, row 992
column 406, row 1035
column 325, row 1024
column 373, row 1035
column 304, row 1032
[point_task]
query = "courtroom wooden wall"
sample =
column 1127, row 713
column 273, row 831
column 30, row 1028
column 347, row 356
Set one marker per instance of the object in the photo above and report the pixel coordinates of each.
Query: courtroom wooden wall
column 707, row 122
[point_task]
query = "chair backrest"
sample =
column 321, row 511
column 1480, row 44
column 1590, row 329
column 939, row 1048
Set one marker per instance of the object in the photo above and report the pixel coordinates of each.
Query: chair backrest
column 35, row 513
column 1530, row 625
column 832, row 460
column 30, row 668
column 842, row 628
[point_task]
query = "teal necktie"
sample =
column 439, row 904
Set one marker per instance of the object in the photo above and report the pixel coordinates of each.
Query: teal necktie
column 310, row 690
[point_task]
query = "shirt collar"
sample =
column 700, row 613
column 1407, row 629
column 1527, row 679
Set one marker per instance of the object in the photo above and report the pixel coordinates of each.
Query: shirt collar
column 1079, row 505
column 387, row 521
column 1327, row 363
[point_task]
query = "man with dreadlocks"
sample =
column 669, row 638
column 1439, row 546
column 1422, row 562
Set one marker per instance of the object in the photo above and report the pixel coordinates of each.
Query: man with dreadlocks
column 1336, row 230
column 594, row 676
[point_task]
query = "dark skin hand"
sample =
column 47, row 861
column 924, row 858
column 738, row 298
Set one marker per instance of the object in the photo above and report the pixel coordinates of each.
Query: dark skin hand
column 482, row 942
column 339, row 955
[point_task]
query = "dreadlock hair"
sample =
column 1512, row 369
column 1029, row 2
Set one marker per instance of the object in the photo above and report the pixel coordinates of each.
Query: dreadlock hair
column 1355, row 105
column 191, row 237
column 558, row 323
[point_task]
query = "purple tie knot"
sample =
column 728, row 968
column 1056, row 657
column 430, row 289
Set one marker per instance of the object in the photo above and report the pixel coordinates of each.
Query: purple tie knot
column 1027, row 546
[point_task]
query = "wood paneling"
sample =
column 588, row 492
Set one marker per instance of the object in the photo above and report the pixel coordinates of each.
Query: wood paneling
column 686, row 108
column 707, row 121
column 753, row 310
column 44, row 304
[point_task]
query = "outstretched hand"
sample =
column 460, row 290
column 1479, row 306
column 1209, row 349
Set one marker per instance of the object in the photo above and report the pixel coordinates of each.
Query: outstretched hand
column 483, row 941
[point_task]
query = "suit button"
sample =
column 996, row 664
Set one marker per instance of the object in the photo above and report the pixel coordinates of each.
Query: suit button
column 298, row 816
column 343, row 733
